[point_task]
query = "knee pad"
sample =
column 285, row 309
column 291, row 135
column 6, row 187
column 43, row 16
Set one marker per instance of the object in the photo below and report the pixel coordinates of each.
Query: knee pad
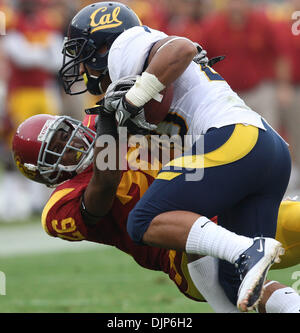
column 136, row 226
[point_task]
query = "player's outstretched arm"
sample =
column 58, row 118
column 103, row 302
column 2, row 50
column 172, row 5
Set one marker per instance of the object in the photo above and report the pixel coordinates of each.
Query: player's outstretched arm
column 100, row 193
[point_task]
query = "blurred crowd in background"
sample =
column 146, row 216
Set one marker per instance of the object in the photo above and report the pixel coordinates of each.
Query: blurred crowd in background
column 262, row 65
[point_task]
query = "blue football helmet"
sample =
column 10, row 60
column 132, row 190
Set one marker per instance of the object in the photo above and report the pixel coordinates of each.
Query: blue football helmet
column 93, row 28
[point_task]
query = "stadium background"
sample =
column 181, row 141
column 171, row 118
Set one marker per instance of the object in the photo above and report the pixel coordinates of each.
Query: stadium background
column 44, row 274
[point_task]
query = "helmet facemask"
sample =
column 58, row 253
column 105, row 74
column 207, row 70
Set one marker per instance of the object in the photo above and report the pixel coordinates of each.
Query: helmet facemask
column 77, row 51
column 74, row 54
column 52, row 164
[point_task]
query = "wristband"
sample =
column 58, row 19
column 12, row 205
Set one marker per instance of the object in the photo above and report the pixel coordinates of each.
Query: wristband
column 146, row 87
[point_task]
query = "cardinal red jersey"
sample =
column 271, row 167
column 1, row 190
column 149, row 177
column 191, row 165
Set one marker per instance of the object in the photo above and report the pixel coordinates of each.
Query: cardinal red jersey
column 62, row 218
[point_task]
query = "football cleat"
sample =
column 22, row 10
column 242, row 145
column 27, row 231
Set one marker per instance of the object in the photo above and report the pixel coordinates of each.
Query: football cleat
column 253, row 266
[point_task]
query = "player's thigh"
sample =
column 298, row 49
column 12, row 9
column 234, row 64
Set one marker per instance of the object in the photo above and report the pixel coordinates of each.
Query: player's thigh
column 223, row 185
column 220, row 187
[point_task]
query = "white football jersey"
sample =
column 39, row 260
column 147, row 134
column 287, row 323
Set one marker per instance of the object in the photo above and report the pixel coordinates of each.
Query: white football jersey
column 202, row 98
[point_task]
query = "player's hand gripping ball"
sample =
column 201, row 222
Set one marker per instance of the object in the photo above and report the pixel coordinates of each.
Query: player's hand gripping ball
column 138, row 120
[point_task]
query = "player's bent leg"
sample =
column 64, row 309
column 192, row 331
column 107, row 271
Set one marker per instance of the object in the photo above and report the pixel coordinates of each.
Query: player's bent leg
column 190, row 232
column 221, row 186
column 205, row 237
column 170, row 230
column 279, row 298
column 221, row 189
column 288, row 233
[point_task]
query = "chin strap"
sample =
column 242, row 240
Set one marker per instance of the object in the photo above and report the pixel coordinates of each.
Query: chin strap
column 93, row 83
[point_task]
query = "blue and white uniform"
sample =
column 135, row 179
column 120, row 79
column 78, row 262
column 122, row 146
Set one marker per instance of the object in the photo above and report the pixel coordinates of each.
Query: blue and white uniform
column 201, row 97
column 246, row 164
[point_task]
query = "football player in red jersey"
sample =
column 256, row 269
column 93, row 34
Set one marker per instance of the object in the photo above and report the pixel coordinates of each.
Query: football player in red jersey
column 59, row 151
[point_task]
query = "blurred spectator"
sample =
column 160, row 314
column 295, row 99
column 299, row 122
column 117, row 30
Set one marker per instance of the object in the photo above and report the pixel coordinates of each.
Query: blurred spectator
column 289, row 99
column 185, row 18
column 152, row 13
column 257, row 43
column 61, row 12
column 256, row 58
column 5, row 126
column 32, row 47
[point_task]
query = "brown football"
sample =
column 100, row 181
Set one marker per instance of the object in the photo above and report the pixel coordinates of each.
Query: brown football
column 155, row 111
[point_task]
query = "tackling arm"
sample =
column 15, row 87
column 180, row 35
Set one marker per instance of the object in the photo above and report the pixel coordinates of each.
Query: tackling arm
column 100, row 193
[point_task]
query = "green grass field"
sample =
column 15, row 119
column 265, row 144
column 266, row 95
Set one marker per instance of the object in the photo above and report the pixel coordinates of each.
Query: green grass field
column 94, row 281
column 103, row 280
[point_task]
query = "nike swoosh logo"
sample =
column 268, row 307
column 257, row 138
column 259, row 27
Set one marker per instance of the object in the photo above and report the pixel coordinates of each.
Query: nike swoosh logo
column 289, row 292
column 205, row 224
column 261, row 248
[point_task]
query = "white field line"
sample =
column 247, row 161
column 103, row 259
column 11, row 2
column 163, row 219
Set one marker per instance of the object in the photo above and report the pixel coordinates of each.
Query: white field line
column 32, row 239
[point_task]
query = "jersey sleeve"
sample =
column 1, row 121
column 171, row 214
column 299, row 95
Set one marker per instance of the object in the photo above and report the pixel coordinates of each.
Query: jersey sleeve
column 61, row 216
column 90, row 121
column 130, row 50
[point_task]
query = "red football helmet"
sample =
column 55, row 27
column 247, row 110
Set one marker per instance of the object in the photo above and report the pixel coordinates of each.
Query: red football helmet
column 32, row 148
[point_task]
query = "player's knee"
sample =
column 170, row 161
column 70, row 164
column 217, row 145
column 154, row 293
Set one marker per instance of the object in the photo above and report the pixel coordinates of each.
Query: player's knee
column 136, row 226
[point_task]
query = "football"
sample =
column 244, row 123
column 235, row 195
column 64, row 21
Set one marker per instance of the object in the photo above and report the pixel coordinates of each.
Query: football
column 156, row 111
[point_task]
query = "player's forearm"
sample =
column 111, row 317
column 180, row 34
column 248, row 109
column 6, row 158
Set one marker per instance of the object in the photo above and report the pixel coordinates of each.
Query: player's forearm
column 101, row 191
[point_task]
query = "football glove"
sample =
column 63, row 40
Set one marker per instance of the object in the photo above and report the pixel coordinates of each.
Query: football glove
column 126, row 114
column 202, row 59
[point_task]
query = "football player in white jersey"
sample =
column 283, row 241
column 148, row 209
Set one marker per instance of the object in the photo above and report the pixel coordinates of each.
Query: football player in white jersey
column 246, row 164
